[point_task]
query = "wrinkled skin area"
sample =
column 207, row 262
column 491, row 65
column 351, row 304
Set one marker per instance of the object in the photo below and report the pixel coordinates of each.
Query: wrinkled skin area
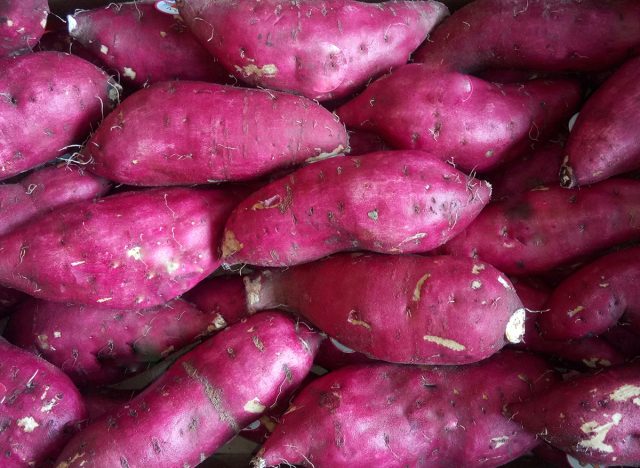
column 593, row 417
column 192, row 132
column 202, row 400
column 404, row 309
column 48, row 100
column 470, row 122
column 602, row 143
column 320, row 49
column 545, row 35
column 542, row 229
column 389, row 202
column 398, row 416
column 132, row 250
column 594, row 298
column 22, row 24
column 144, row 45
column 45, row 190
column 39, row 408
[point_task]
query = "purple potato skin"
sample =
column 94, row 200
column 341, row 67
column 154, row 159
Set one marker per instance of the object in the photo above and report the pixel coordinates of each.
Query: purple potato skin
column 399, row 308
column 542, row 35
column 397, row 416
column 539, row 230
column 475, row 124
column 222, row 297
column 39, row 408
column 22, row 24
column 389, row 202
column 132, row 250
column 602, row 144
column 177, row 133
column 321, row 50
column 204, row 399
column 48, row 101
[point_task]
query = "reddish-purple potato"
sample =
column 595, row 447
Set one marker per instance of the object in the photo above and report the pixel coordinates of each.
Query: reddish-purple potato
column 551, row 226
column 22, row 23
column 399, row 416
column 204, row 399
column 105, row 400
column 39, row 408
column 322, row 50
column 48, row 101
column 361, row 142
column 133, row 250
column 470, row 122
column 399, row 308
column 547, row 35
column 223, row 297
column 177, row 133
column 388, row 202
column 603, row 142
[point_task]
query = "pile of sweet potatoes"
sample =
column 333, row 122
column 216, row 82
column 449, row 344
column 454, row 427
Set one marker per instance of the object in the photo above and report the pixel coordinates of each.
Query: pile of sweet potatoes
column 395, row 233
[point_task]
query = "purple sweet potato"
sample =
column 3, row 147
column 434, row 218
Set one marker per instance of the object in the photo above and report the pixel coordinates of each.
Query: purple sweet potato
column 541, row 229
column 592, row 417
column 388, row 202
column 361, row 142
column 548, row 35
column 399, row 416
column 48, row 100
column 39, row 408
column 222, row 297
column 45, row 190
column 322, row 50
column 470, row 122
column 192, row 132
column 144, row 45
column 105, row 400
column 399, row 308
column 594, row 298
column 602, row 143
column 203, row 400
column 22, row 23
column 133, row 250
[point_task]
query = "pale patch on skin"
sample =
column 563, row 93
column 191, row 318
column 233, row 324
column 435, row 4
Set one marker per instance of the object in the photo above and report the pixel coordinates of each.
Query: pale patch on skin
column 172, row 267
column 477, row 269
column 624, row 393
column 104, row 299
column 498, row 442
column 57, row 334
column 598, row 434
column 43, row 23
column 43, row 341
column 322, row 156
column 48, row 406
column 230, row 245
column 129, row 73
column 268, row 70
column 71, row 461
column 573, row 312
column 476, row 284
column 79, row 262
column 453, row 345
column 28, row 424
column 419, row 284
column 9, row 23
column 353, row 320
column 504, row 283
column 253, row 288
column 219, row 322
column 515, row 326
column 594, row 362
column 135, row 253
column 254, row 406
column 104, row 49
column 271, row 202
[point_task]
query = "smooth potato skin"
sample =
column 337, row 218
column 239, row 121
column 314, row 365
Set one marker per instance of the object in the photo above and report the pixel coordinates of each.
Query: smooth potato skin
column 544, row 35
column 321, row 50
column 602, row 143
column 398, row 416
column 475, row 124
column 132, row 250
column 22, row 24
column 545, row 228
column 39, row 408
column 593, row 417
column 388, row 202
column 398, row 308
column 176, row 133
column 205, row 398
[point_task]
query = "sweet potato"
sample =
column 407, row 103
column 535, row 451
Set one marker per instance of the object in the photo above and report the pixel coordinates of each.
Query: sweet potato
column 22, row 23
column 192, row 132
column 548, row 35
column 602, row 144
column 388, row 202
column 144, row 45
column 39, row 408
column 203, row 400
column 470, row 122
column 592, row 417
column 105, row 400
column 544, row 228
column 222, row 297
column 48, row 100
column 365, row 142
column 322, row 50
column 398, row 416
column 404, row 309
column 133, row 250
column 593, row 299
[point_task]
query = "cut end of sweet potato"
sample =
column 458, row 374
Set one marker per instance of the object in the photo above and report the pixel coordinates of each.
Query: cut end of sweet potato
column 230, row 245
column 567, row 178
column 515, row 327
